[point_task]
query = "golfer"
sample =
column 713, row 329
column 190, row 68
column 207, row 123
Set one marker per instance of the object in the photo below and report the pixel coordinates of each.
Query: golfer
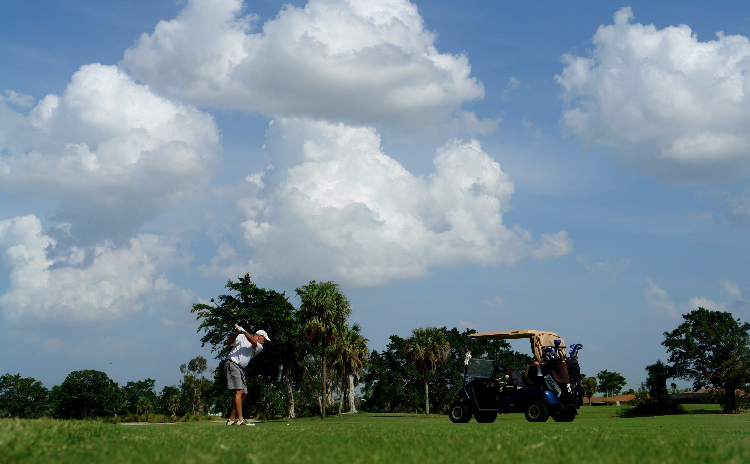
column 244, row 348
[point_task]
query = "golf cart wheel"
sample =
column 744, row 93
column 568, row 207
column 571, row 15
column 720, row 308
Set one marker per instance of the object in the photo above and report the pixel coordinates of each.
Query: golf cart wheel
column 485, row 417
column 459, row 413
column 536, row 412
column 565, row 415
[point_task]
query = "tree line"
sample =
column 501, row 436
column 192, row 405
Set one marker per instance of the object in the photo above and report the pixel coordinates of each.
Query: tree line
column 91, row 393
column 313, row 366
column 318, row 359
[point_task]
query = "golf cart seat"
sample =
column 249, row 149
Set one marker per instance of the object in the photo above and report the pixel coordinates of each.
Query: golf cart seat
column 559, row 371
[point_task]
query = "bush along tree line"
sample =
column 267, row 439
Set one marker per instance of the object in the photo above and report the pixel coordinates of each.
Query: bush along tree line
column 90, row 393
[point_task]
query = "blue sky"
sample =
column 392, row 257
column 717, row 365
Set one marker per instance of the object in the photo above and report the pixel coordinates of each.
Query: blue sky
column 579, row 168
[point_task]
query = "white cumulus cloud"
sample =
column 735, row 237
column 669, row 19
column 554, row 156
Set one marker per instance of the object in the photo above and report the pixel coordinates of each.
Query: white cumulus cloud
column 674, row 106
column 337, row 207
column 368, row 62
column 119, row 281
column 114, row 152
column 658, row 301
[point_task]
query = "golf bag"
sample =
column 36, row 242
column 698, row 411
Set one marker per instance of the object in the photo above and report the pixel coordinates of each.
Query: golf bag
column 574, row 373
column 557, row 379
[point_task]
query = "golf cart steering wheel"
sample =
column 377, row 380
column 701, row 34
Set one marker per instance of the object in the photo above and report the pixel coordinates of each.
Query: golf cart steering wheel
column 498, row 368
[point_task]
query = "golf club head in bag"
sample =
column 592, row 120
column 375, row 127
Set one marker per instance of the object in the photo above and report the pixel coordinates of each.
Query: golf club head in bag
column 574, row 348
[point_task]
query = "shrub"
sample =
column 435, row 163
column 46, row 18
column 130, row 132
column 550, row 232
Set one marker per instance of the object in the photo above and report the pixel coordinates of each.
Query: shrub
column 84, row 394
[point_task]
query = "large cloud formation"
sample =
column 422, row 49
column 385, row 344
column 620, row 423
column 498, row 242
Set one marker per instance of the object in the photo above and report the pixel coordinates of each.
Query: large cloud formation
column 368, row 62
column 115, row 155
column 348, row 210
column 114, row 152
column 125, row 144
column 675, row 107
column 119, row 281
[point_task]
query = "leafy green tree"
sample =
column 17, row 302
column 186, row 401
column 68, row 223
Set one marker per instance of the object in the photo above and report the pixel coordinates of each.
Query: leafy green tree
column 656, row 383
column 217, row 397
column 323, row 313
column 713, row 349
column 641, row 400
column 169, row 400
column 391, row 383
column 142, row 389
column 22, row 397
column 448, row 376
column 255, row 308
column 427, row 348
column 610, row 383
column 589, row 387
column 194, row 384
column 350, row 353
column 86, row 393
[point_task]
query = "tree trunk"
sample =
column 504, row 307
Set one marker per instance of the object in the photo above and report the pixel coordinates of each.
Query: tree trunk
column 426, row 397
column 343, row 391
column 730, row 403
column 324, row 402
column 352, row 404
column 289, row 394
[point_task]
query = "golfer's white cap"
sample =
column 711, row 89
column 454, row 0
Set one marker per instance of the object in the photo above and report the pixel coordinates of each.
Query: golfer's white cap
column 265, row 335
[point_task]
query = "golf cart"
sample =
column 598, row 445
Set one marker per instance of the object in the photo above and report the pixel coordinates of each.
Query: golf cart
column 551, row 386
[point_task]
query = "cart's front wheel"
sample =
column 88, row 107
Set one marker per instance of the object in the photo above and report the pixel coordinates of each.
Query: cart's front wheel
column 536, row 412
column 459, row 413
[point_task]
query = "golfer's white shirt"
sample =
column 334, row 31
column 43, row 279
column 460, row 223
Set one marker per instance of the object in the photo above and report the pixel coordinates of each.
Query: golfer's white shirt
column 242, row 351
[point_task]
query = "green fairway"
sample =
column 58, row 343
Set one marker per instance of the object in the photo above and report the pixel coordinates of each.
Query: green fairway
column 598, row 435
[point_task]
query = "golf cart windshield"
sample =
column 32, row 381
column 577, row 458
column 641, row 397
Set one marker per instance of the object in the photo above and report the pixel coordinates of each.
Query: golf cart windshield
column 538, row 339
column 480, row 368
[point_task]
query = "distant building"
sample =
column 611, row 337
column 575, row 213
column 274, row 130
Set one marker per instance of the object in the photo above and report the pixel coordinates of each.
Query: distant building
column 690, row 397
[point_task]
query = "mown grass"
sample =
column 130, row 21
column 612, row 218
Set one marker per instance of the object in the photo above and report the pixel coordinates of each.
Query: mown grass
column 598, row 435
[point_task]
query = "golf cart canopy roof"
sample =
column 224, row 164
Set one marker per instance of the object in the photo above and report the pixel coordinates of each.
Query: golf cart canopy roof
column 513, row 334
column 538, row 339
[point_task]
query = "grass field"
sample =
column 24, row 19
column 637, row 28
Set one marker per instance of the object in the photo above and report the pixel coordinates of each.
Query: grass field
column 598, row 435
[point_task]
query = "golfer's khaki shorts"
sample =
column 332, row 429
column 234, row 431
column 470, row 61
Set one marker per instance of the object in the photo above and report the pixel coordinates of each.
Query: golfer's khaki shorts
column 235, row 376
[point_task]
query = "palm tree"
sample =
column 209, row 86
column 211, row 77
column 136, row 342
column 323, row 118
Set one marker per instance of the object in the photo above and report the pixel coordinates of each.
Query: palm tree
column 323, row 313
column 173, row 404
column 349, row 353
column 143, row 406
column 427, row 348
